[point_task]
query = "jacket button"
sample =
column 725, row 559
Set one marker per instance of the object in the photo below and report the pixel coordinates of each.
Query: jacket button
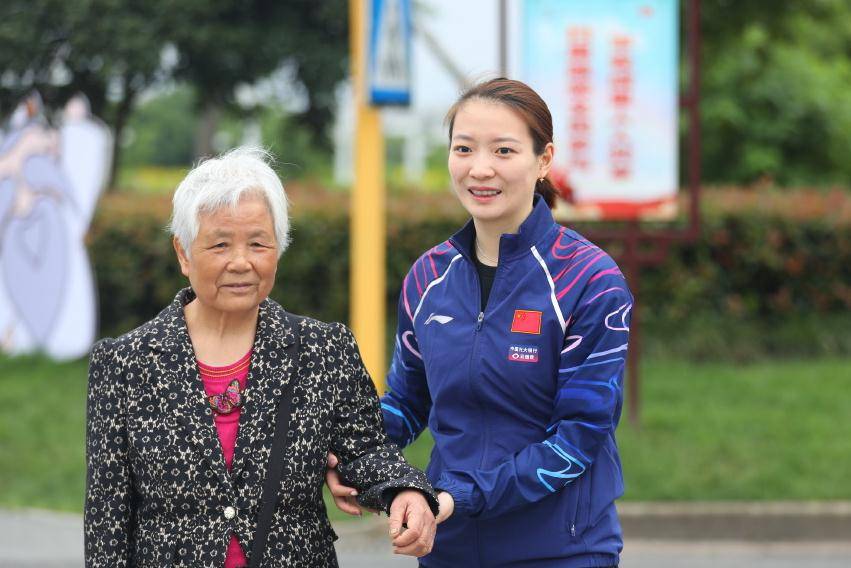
column 230, row 513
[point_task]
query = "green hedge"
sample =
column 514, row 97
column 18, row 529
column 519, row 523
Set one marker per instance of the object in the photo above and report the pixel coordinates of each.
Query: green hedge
column 751, row 286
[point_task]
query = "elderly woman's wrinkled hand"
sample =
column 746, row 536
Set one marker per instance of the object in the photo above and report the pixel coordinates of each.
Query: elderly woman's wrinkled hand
column 412, row 524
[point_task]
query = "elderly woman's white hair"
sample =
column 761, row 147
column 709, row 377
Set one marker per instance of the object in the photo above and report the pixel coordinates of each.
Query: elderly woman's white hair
column 222, row 181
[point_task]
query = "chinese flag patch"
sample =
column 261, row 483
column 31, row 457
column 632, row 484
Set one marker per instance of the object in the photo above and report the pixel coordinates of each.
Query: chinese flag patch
column 526, row 321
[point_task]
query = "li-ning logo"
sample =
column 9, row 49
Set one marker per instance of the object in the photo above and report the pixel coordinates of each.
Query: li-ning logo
column 523, row 354
column 443, row 320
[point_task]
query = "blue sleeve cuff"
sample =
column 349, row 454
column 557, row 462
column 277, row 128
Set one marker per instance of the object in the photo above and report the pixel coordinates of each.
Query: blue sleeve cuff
column 463, row 493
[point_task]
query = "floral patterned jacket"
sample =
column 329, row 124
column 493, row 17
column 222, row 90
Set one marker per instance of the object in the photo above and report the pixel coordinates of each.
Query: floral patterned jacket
column 157, row 489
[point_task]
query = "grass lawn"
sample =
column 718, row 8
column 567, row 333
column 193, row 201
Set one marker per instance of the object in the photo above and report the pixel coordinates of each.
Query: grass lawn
column 769, row 430
column 42, row 434
column 720, row 431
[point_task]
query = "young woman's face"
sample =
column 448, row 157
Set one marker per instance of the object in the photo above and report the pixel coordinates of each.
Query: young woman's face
column 493, row 164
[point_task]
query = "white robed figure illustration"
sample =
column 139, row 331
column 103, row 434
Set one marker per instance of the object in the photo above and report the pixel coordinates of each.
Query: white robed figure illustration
column 50, row 181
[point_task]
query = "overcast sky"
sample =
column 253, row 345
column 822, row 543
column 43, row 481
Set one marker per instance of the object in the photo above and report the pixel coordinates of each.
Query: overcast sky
column 467, row 30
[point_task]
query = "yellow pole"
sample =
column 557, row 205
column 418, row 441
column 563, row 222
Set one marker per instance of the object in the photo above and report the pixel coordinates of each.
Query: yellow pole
column 368, row 211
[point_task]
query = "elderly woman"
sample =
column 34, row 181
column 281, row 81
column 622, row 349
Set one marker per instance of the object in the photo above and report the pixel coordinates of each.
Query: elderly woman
column 185, row 412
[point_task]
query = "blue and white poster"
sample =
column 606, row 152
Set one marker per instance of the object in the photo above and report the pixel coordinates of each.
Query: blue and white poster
column 608, row 70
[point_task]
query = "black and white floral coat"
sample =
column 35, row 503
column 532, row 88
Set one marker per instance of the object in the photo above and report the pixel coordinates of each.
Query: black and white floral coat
column 157, row 489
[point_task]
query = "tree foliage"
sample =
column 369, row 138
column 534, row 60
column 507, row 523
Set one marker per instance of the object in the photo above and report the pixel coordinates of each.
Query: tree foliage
column 231, row 43
column 161, row 130
column 775, row 97
column 94, row 47
column 111, row 50
column 61, row 47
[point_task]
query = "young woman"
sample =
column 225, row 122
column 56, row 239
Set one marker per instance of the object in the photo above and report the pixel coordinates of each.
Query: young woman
column 510, row 348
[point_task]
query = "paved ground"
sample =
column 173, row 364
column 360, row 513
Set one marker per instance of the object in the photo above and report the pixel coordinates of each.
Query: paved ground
column 366, row 548
column 665, row 554
column 31, row 539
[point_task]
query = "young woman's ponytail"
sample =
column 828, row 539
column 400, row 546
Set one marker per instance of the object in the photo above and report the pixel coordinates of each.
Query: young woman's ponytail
column 545, row 188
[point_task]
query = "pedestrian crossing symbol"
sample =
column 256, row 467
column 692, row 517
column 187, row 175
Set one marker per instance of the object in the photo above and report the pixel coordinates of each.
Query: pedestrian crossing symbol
column 390, row 53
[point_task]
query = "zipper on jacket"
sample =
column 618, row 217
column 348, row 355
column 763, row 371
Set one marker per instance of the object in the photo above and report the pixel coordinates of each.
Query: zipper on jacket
column 576, row 486
column 474, row 351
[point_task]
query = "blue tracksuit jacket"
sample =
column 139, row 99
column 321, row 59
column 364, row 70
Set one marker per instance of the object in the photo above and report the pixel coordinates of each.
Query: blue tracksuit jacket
column 522, row 399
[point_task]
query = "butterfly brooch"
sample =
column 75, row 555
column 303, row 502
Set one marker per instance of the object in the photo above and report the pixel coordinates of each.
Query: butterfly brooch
column 229, row 400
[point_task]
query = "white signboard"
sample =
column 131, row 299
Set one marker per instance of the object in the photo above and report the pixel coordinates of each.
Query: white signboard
column 608, row 70
column 50, row 180
column 389, row 53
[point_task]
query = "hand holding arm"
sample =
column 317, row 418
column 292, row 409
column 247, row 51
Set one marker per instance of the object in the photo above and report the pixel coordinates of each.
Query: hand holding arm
column 344, row 496
column 369, row 461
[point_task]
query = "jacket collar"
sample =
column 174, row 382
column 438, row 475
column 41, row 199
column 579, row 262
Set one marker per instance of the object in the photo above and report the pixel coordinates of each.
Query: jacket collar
column 511, row 245
column 171, row 335
column 270, row 369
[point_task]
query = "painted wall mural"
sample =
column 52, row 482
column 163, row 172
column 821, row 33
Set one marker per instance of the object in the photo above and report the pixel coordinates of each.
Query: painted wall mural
column 50, row 181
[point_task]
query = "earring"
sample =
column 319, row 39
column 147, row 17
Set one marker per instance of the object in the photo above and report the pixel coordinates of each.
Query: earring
column 540, row 180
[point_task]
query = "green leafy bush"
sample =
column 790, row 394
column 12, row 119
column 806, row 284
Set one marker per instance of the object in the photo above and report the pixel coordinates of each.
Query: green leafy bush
column 774, row 96
column 752, row 285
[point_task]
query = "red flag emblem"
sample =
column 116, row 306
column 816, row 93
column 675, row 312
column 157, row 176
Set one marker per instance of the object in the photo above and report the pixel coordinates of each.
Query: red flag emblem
column 526, row 321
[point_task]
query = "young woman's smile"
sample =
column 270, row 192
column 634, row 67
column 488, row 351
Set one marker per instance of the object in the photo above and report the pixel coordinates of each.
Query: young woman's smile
column 484, row 194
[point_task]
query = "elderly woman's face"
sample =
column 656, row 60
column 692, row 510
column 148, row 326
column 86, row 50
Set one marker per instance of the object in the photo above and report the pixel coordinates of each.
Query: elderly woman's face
column 234, row 257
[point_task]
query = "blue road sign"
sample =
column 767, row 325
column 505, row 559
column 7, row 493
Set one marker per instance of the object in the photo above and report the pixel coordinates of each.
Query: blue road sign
column 389, row 53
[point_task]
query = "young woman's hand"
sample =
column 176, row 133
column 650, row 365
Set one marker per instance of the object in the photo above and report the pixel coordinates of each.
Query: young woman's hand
column 447, row 506
column 344, row 497
column 412, row 524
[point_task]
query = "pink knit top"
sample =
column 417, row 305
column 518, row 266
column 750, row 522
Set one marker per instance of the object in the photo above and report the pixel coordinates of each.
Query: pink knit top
column 216, row 381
